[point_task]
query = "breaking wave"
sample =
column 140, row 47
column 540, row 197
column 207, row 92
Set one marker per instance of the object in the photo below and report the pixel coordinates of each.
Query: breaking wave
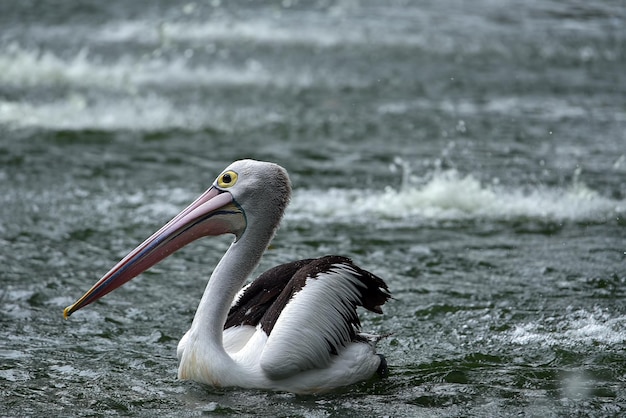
column 450, row 195
column 578, row 327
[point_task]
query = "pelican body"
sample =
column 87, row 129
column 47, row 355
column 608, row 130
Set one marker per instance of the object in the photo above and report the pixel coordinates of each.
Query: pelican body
column 295, row 328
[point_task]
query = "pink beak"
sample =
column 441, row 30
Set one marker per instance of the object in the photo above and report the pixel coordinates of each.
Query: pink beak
column 215, row 212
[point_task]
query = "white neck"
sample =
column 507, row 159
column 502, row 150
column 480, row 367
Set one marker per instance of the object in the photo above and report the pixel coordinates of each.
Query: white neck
column 227, row 279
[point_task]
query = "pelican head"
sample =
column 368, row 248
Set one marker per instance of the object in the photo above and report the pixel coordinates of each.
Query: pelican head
column 247, row 198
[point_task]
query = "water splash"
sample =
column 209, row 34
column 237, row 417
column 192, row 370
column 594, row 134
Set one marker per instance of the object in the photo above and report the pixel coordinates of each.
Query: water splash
column 148, row 113
column 577, row 327
column 450, row 195
column 27, row 68
column 326, row 32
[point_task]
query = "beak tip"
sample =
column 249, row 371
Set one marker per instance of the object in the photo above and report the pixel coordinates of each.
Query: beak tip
column 67, row 312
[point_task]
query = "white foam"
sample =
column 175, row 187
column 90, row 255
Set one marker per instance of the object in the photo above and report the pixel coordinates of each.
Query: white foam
column 27, row 68
column 134, row 91
column 449, row 195
column 133, row 74
column 324, row 32
column 577, row 327
column 540, row 107
column 11, row 354
column 150, row 112
column 14, row 375
column 75, row 112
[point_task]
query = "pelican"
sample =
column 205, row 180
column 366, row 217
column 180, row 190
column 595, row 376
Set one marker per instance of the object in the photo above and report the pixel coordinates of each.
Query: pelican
column 295, row 328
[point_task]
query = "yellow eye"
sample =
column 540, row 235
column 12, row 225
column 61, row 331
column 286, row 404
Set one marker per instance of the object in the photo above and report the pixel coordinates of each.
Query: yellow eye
column 227, row 179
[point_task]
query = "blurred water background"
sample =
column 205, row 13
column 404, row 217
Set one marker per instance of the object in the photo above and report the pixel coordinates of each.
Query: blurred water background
column 471, row 153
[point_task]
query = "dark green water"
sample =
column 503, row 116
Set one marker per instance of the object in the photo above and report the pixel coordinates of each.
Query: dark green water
column 471, row 153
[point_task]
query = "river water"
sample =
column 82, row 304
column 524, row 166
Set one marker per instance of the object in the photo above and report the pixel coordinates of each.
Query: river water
column 473, row 154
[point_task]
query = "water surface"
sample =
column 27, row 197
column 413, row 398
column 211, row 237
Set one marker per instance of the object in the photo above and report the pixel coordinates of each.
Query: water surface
column 472, row 154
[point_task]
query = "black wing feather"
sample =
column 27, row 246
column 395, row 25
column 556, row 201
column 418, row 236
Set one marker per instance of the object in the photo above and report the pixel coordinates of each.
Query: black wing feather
column 259, row 296
column 263, row 300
